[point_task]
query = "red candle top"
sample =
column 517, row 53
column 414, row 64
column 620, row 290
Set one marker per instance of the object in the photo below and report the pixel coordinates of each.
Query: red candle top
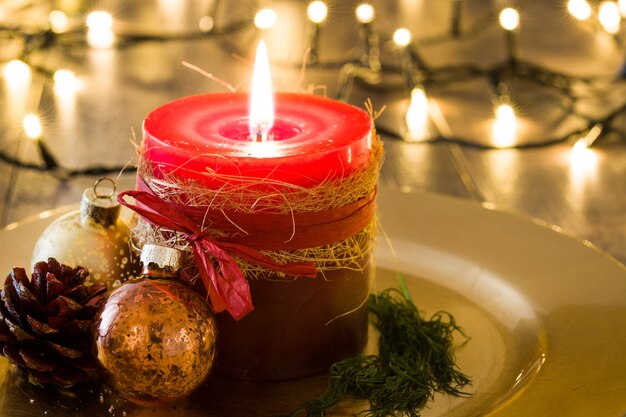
column 313, row 139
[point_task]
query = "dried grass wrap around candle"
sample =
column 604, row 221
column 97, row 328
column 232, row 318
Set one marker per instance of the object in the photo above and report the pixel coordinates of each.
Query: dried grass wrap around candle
column 299, row 325
column 262, row 197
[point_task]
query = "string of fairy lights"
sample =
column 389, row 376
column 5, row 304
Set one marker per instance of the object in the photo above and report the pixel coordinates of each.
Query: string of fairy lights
column 97, row 30
column 419, row 77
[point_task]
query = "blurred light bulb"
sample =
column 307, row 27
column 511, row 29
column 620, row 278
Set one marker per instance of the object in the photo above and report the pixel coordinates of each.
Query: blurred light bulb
column 591, row 136
column 16, row 72
column 265, row 18
column 402, row 37
column 580, row 9
column 509, row 18
column 32, row 126
column 504, row 126
column 580, row 145
column 58, row 21
column 65, row 87
column 609, row 17
column 64, row 81
column 417, row 115
column 365, row 13
column 622, row 7
column 100, row 39
column 17, row 80
column 317, row 11
column 64, row 77
column 100, row 34
column 583, row 160
column 99, row 20
column 206, row 24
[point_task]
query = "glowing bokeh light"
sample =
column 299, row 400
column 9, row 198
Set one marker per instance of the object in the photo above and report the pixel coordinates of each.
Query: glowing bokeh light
column 317, row 11
column 100, row 34
column 32, row 126
column 580, row 9
column 402, row 37
column 509, row 18
column 99, row 21
column 609, row 17
column 583, row 164
column 65, row 82
column 58, row 21
column 100, row 39
column 365, row 13
column 17, row 72
column 265, row 18
column 417, row 116
column 504, row 129
column 206, row 24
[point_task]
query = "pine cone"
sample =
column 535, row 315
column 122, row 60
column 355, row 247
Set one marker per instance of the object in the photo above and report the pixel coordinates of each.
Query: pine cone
column 45, row 323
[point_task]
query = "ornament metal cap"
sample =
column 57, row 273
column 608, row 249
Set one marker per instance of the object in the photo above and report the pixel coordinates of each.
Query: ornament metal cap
column 98, row 207
column 161, row 261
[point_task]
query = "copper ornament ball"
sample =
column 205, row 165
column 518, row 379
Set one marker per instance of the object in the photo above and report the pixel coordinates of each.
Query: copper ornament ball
column 155, row 340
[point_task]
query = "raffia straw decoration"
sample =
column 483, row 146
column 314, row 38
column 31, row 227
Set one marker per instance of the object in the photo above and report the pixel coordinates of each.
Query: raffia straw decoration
column 264, row 195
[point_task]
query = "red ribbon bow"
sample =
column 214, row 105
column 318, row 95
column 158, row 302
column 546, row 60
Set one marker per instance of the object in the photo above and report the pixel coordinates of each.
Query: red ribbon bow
column 228, row 289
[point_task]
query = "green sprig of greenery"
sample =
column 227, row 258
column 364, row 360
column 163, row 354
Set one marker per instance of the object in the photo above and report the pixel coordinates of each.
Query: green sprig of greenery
column 414, row 362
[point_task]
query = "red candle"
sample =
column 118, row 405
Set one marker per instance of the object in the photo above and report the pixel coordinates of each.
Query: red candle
column 208, row 143
column 314, row 139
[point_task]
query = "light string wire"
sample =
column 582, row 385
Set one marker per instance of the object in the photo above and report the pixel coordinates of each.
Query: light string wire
column 366, row 69
column 418, row 74
column 35, row 41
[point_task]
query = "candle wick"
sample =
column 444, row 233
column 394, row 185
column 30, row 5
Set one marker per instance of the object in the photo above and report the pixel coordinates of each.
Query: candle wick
column 262, row 133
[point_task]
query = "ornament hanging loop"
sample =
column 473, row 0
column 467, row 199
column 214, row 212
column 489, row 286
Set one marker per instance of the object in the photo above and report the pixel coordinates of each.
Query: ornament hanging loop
column 99, row 206
column 111, row 192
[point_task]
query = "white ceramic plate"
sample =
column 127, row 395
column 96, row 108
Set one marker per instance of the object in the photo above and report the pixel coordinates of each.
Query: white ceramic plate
column 545, row 314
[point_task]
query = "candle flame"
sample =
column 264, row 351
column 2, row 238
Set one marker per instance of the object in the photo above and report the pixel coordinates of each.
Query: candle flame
column 261, row 97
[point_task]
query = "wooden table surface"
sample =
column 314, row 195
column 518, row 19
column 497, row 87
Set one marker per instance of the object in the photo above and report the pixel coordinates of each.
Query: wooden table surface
column 582, row 196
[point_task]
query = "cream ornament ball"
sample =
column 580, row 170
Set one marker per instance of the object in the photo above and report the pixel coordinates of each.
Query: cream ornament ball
column 94, row 237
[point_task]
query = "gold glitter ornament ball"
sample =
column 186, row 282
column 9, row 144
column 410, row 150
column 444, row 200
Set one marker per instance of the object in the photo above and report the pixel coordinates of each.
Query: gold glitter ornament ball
column 155, row 340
